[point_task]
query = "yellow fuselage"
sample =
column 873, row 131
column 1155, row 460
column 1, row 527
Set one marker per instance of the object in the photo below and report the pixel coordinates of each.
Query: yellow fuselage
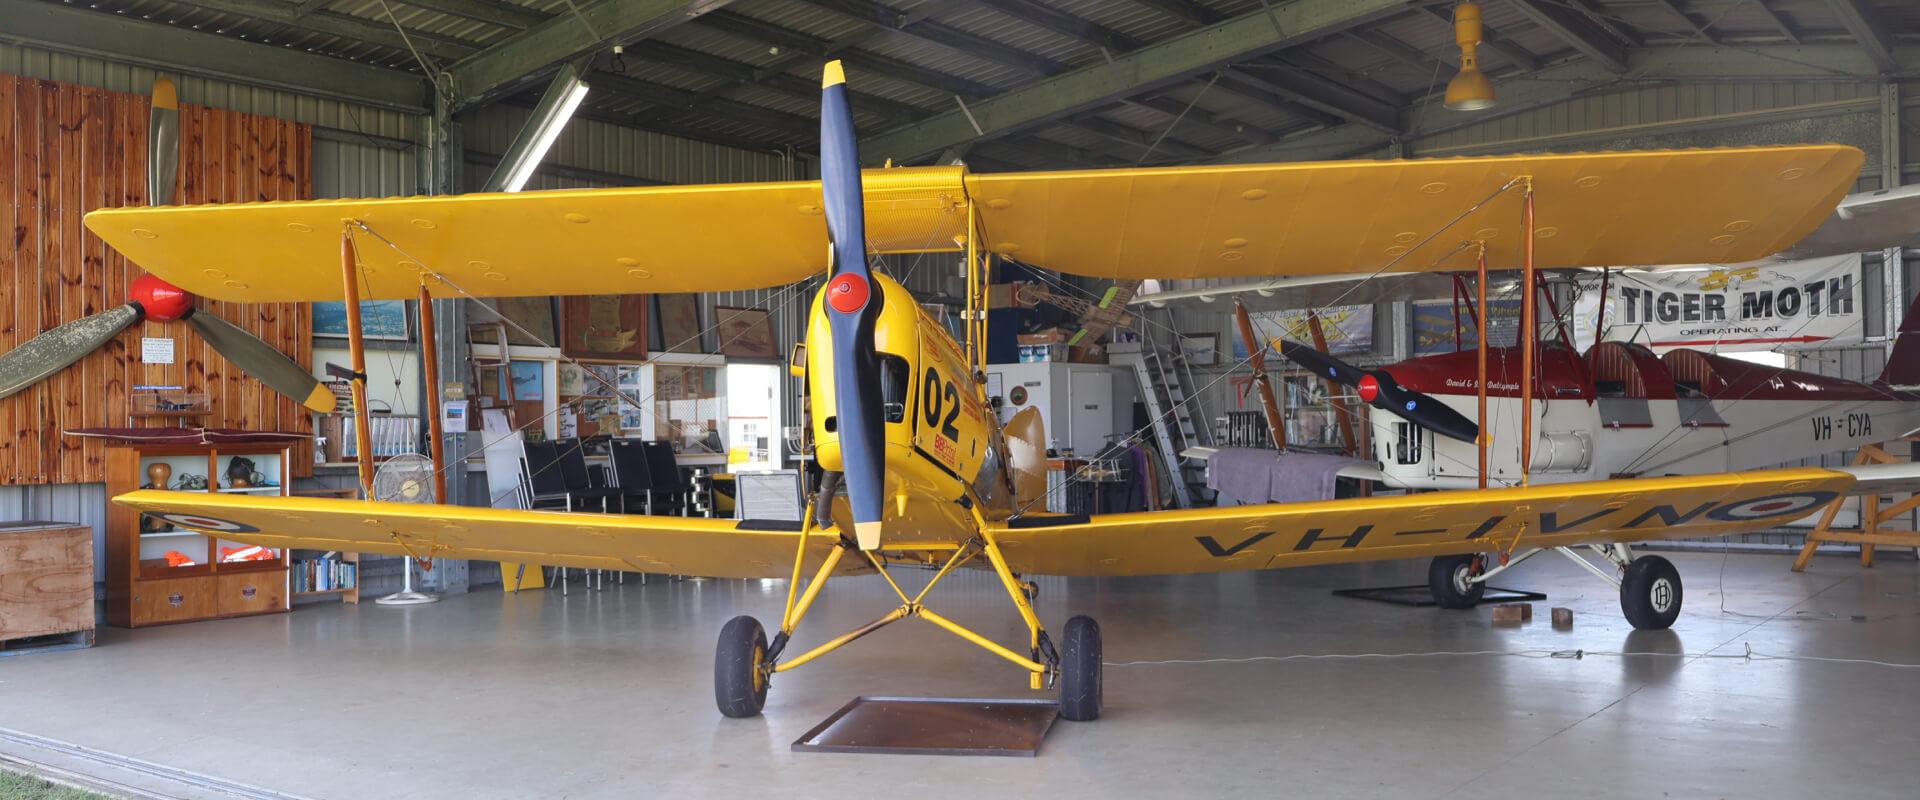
column 938, row 430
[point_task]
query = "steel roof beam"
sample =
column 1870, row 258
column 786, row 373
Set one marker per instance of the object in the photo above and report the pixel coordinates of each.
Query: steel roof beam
column 1766, row 8
column 1492, row 41
column 1065, row 24
column 932, row 32
column 1577, row 30
column 738, row 75
column 1186, row 11
column 669, row 97
column 1137, row 139
column 1142, row 71
column 1703, row 31
column 1324, row 95
column 349, row 27
column 1196, row 116
column 1861, row 23
column 1651, row 66
column 500, row 69
column 764, row 32
column 492, row 12
column 100, row 34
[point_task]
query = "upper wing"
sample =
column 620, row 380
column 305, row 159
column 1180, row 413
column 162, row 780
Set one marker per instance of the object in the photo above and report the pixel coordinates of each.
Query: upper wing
column 657, row 239
column 1593, row 209
column 676, row 545
column 1406, row 526
column 1310, row 291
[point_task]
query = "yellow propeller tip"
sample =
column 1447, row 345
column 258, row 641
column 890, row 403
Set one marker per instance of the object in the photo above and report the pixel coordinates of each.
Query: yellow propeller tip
column 164, row 95
column 834, row 75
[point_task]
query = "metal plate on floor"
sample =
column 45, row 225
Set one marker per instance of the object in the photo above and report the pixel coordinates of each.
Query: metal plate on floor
column 933, row 726
column 1421, row 596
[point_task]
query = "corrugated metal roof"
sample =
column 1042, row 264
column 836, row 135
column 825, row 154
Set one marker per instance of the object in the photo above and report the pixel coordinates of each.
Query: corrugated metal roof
column 970, row 47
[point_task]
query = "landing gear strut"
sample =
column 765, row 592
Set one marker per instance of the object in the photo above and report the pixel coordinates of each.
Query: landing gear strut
column 1649, row 585
column 744, row 662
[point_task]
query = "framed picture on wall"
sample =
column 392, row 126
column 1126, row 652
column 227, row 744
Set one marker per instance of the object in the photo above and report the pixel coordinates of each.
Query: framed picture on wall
column 529, row 380
column 379, row 319
column 1201, row 349
column 530, row 320
column 604, row 326
column 679, row 323
column 745, row 332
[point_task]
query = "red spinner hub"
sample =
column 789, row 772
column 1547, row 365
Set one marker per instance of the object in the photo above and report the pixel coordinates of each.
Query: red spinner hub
column 160, row 299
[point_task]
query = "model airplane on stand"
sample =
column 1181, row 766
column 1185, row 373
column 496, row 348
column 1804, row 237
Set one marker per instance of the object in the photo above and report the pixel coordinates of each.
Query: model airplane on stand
column 930, row 477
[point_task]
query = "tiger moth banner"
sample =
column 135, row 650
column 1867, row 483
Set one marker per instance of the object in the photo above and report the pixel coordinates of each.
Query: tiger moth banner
column 1788, row 305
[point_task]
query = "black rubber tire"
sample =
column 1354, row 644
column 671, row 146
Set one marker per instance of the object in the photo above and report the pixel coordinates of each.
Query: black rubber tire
column 738, row 687
column 1080, row 655
column 1446, row 580
column 1650, row 593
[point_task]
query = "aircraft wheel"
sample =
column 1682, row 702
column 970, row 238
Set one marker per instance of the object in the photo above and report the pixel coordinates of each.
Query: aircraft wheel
column 739, row 687
column 1650, row 593
column 1080, row 655
column 1447, row 580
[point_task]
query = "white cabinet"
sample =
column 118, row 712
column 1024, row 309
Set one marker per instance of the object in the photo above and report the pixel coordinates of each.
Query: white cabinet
column 1078, row 402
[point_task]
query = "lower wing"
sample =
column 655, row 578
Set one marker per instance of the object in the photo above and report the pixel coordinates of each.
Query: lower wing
column 719, row 548
column 1408, row 526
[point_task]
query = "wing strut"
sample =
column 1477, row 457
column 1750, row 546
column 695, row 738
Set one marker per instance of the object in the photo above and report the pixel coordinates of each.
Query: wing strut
column 357, row 350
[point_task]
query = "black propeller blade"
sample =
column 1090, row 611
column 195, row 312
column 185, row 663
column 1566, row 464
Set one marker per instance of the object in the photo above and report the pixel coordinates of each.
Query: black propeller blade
column 1381, row 391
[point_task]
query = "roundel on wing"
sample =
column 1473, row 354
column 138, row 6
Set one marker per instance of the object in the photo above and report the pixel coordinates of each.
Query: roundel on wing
column 204, row 523
column 1773, row 505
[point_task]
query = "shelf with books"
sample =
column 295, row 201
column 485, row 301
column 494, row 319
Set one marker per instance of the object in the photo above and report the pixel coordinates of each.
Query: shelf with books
column 340, row 570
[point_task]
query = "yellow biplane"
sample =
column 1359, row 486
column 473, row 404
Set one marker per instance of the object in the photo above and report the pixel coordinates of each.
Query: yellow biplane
column 899, row 413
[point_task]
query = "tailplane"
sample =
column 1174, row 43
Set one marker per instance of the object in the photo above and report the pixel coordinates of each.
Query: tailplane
column 1903, row 364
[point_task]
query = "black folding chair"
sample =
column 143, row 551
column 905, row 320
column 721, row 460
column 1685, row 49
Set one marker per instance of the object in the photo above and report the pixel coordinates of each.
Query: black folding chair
column 582, row 490
column 630, row 474
column 670, row 487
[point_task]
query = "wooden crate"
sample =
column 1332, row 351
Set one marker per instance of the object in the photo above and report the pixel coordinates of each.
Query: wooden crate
column 46, row 585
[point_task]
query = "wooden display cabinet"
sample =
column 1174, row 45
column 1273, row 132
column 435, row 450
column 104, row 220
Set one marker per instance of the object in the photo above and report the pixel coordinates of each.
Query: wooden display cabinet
column 158, row 573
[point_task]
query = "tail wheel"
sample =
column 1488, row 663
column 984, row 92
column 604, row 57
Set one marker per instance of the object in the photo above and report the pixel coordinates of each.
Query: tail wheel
column 1650, row 593
column 1447, row 579
column 1080, row 655
column 739, row 684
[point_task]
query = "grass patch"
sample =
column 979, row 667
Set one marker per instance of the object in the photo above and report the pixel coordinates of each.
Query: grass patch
column 16, row 786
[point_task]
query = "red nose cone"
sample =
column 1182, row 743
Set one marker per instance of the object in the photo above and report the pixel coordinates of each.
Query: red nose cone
column 847, row 293
column 161, row 299
column 1369, row 388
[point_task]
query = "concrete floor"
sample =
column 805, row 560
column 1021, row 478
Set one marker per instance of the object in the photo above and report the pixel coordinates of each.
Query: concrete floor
column 609, row 694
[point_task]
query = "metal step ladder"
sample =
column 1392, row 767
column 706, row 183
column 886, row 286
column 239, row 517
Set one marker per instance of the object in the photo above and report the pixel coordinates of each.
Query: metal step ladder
column 1166, row 385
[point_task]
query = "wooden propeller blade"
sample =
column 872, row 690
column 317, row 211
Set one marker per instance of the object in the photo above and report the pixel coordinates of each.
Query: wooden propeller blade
column 52, row 351
column 262, row 362
column 163, row 144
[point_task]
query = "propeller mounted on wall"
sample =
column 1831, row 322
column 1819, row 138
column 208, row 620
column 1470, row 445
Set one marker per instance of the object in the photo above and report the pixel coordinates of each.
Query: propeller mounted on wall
column 153, row 298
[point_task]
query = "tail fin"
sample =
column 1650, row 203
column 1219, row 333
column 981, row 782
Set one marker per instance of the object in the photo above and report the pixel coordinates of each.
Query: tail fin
column 1903, row 364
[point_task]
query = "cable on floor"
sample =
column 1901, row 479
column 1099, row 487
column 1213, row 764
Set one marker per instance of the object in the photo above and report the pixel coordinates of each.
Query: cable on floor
column 1750, row 655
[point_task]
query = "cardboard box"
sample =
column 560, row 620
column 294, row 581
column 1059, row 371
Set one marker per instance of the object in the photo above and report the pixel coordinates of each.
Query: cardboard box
column 1004, row 295
column 1086, row 354
column 1048, row 336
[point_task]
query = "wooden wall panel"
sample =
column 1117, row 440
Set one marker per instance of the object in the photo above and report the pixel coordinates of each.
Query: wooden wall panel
column 66, row 150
